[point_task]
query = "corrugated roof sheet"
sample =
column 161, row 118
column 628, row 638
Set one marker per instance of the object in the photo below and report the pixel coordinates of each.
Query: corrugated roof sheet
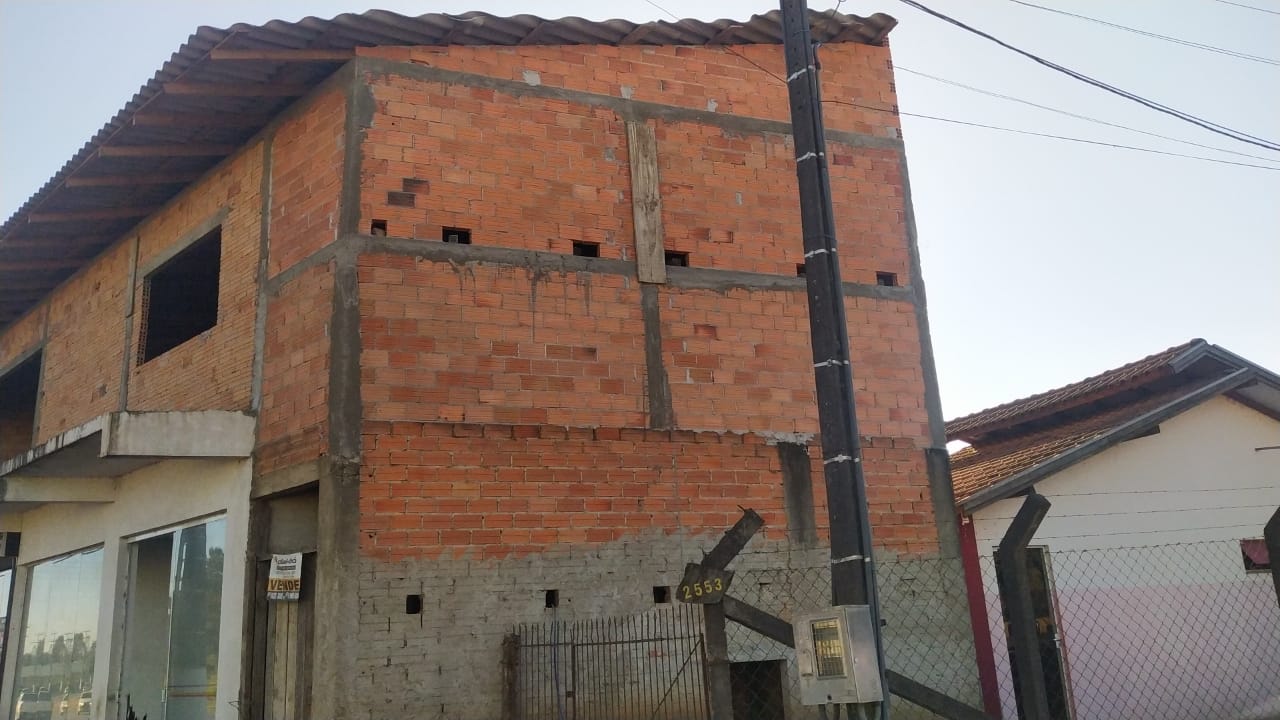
column 114, row 181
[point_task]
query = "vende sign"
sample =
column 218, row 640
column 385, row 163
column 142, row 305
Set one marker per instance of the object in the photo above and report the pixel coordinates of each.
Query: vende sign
column 284, row 582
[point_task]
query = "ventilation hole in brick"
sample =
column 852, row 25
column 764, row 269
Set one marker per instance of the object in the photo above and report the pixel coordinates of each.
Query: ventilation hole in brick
column 416, row 186
column 800, row 270
column 677, row 259
column 400, row 199
column 552, row 599
column 378, row 227
column 412, row 604
column 887, row 279
column 661, row 594
column 457, row 236
column 586, row 249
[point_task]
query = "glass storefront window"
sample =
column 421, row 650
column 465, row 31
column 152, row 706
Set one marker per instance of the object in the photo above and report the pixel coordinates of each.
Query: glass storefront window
column 171, row 623
column 59, row 638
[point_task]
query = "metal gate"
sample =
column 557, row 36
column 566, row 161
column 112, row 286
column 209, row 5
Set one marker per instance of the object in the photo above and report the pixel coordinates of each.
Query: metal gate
column 642, row 667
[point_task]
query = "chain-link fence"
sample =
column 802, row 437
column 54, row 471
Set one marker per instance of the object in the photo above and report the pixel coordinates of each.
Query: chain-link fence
column 927, row 636
column 1137, row 633
column 1146, row 633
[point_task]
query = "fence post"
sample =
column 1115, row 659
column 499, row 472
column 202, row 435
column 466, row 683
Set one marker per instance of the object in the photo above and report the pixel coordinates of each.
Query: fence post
column 719, row 683
column 1271, row 537
column 510, row 675
column 1016, row 596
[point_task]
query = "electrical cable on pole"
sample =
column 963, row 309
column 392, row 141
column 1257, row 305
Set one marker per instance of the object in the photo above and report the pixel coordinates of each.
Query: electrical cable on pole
column 853, row 579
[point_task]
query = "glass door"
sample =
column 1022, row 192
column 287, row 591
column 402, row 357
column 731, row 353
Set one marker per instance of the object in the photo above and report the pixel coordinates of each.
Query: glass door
column 170, row 668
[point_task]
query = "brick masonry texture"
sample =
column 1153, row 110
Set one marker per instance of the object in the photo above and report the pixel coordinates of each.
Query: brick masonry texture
column 740, row 360
column 499, row 344
column 306, row 180
column 22, row 336
column 696, row 78
column 211, row 370
column 82, row 355
column 541, row 173
column 293, row 418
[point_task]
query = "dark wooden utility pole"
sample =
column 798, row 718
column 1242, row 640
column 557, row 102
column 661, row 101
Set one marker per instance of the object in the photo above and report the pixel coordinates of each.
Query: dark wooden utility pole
column 853, row 579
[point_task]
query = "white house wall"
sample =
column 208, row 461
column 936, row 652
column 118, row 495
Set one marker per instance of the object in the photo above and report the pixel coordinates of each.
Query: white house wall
column 1145, row 532
column 165, row 494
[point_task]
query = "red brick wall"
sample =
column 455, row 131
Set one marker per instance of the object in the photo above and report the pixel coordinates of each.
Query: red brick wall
column 433, row 489
column 519, row 172
column 213, row 370
column 687, row 77
column 292, row 421
column 86, row 340
column 306, row 180
column 504, row 350
column 540, row 173
column 485, row 344
column 21, row 336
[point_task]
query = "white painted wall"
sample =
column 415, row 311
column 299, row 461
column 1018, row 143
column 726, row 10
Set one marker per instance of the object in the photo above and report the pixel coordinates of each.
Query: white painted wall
column 166, row 494
column 1143, row 534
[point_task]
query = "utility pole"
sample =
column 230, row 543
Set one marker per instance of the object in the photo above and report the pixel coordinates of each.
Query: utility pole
column 853, row 579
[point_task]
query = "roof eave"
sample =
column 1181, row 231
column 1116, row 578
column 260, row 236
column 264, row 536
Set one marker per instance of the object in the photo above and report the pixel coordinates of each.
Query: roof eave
column 1019, row 482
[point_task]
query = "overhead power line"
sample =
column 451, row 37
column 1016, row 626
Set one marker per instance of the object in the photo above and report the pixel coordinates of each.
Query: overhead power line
column 729, row 49
column 1187, row 117
column 1068, row 113
column 1015, row 131
column 1250, row 7
column 1066, row 138
column 1157, row 36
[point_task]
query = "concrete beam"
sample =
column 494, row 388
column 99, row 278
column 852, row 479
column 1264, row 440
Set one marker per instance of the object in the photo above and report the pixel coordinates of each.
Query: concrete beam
column 61, row 490
column 201, row 433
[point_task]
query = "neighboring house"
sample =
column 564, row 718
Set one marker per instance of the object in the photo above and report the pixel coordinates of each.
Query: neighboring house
column 1147, row 572
column 494, row 320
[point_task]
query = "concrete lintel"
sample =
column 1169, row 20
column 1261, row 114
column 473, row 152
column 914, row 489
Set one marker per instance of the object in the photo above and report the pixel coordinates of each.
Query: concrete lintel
column 196, row 434
column 63, row 490
column 290, row 478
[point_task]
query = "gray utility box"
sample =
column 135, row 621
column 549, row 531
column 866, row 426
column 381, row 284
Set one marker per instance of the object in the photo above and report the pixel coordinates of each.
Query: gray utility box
column 836, row 655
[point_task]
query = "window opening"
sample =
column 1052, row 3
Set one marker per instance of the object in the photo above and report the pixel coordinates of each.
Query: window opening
column 19, row 391
column 180, row 298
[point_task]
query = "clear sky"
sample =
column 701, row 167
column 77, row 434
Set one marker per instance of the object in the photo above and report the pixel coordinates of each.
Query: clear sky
column 1046, row 261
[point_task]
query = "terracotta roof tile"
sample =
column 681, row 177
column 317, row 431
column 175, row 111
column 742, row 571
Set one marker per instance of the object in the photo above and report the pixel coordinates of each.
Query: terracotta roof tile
column 1078, row 393
column 978, row 467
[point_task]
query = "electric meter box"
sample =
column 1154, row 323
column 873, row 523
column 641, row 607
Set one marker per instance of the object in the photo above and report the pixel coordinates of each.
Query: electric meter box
column 836, row 655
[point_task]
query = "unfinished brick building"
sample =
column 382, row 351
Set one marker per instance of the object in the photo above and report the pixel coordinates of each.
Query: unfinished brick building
column 491, row 318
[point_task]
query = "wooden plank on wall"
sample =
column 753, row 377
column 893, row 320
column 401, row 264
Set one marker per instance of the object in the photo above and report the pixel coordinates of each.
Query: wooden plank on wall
column 646, row 203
